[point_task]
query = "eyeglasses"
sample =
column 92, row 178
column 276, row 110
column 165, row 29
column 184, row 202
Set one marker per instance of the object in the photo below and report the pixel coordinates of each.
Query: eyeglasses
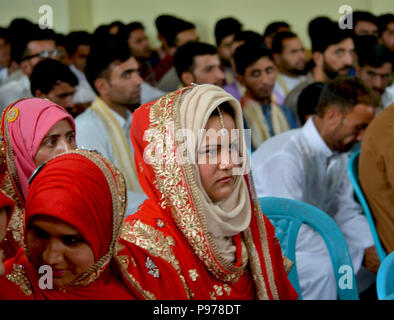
column 45, row 54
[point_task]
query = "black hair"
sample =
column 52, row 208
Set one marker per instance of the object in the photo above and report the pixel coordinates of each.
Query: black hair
column 47, row 73
column 277, row 41
column 370, row 53
column 383, row 21
column 248, row 53
column 224, row 107
column 184, row 56
column 225, row 27
column 4, row 34
column 325, row 32
column 273, row 27
column 129, row 28
column 169, row 26
column 364, row 16
column 346, row 93
column 102, row 55
column 75, row 39
column 248, row 35
column 308, row 100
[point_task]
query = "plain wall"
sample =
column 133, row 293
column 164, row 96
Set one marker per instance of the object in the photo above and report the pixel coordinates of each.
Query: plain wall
column 71, row 15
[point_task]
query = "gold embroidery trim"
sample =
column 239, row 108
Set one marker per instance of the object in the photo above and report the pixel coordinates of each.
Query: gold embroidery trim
column 153, row 241
column 19, row 277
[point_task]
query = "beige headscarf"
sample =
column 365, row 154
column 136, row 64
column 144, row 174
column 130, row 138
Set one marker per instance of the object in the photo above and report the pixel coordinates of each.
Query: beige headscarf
column 232, row 215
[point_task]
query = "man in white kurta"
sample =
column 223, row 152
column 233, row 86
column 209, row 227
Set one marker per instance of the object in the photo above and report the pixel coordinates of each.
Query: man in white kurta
column 299, row 164
column 105, row 125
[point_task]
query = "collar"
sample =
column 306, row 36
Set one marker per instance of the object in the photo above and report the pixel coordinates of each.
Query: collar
column 314, row 139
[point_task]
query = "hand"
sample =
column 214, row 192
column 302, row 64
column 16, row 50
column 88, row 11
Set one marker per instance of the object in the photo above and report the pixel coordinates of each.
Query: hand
column 371, row 259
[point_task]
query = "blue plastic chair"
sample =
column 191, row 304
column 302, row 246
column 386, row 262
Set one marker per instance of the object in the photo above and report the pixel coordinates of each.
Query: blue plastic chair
column 385, row 279
column 287, row 215
column 352, row 170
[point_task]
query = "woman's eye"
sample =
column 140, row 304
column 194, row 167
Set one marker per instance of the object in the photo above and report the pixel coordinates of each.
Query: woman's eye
column 39, row 233
column 72, row 240
column 50, row 142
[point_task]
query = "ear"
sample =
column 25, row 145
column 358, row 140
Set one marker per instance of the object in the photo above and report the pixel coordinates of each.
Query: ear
column 277, row 59
column 187, row 78
column 25, row 67
column 39, row 94
column 317, row 58
column 241, row 79
column 102, row 86
column 332, row 116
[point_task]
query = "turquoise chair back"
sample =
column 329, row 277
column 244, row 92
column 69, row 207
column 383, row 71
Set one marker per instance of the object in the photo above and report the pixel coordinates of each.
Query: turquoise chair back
column 287, row 215
column 352, row 170
column 385, row 279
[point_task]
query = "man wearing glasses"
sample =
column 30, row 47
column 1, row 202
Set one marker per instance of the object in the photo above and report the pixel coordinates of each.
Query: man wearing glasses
column 40, row 45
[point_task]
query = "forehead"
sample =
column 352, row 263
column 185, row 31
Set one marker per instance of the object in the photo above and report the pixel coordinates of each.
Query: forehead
column 261, row 64
column 227, row 39
column 118, row 67
column 186, row 36
column 361, row 114
column 346, row 44
column 137, row 33
column 384, row 69
column 365, row 24
column 36, row 46
column 206, row 60
column 292, row 43
column 62, row 87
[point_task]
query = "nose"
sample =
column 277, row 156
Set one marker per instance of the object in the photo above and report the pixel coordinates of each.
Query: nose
column 348, row 59
column 377, row 82
column 65, row 145
column 137, row 78
column 219, row 74
column 225, row 161
column 53, row 253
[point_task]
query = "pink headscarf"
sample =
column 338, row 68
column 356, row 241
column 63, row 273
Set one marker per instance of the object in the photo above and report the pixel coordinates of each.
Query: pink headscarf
column 27, row 127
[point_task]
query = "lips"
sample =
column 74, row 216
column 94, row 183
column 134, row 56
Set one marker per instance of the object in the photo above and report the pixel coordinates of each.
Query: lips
column 226, row 179
column 58, row 273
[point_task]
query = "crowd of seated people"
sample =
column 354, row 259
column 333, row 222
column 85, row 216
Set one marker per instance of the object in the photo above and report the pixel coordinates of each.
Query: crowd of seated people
column 110, row 173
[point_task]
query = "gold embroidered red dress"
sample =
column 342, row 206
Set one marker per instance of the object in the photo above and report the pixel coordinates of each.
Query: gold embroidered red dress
column 165, row 250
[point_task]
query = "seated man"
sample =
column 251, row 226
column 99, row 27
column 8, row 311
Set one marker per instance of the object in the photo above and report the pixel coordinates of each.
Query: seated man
column 225, row 31
column 39, row 45
column 374, row 67
column 113, row 73
column 309, row 164
column 376, row 174
column 257, row 72
column 290, row 59
column 197, row 62
column 55, row 81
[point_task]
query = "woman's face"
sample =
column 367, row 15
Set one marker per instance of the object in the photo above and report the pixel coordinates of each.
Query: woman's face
column 59, row 245
column 218, row 156
column 59, row 139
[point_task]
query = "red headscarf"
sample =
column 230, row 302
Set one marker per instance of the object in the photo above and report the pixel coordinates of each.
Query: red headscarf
column 85, row 190
column 165, row 250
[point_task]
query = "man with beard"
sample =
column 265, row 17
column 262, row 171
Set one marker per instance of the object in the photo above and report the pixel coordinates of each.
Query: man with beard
column 199, row 63
column 309, row 164
column 374, row 67
column 105, row 126
column 257, row 72
column 332, row 55
column 289, row 57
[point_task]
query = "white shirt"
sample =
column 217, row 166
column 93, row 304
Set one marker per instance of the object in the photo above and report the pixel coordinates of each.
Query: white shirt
column 290, row 82
column 14, row 90
column 85, row 93
column 299, row 165
column 91, row 133
column 388, row 96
